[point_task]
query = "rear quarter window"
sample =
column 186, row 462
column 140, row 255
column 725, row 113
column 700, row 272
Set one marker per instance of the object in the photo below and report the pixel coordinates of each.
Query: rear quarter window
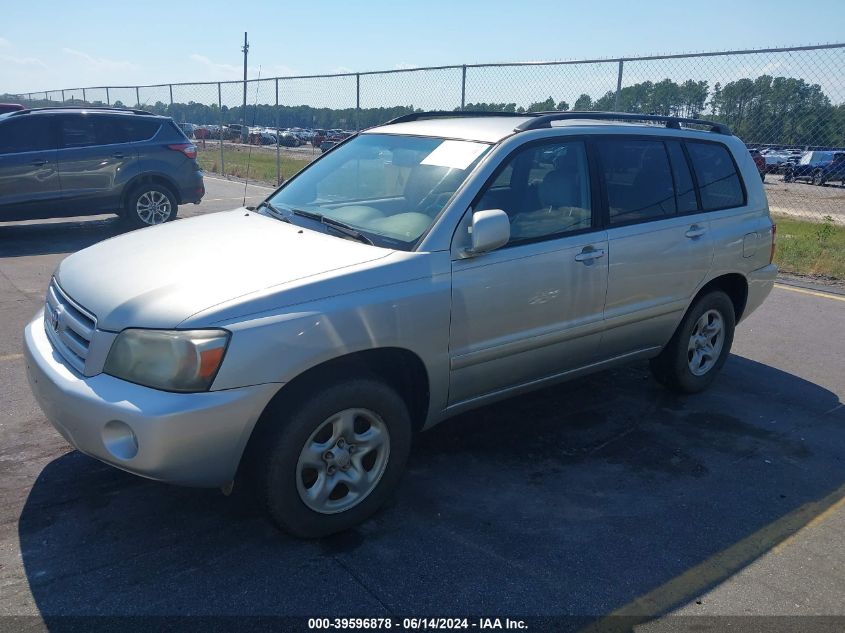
column 718, row 180
column 142, row 129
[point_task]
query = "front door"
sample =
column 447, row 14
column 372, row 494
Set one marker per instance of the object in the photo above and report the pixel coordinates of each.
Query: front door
column 533, row 308
column 29, row 175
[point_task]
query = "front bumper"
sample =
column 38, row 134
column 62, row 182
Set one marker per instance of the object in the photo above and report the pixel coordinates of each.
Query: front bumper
column 193, row 439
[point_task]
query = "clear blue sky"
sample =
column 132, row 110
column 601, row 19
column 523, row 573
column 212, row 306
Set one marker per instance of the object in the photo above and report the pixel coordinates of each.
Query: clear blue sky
column 61, row 44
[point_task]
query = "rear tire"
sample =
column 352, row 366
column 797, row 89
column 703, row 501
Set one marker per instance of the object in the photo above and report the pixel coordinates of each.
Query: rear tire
column 699, row 347
column 818, row 178
column 357, row 432
column 148, row 205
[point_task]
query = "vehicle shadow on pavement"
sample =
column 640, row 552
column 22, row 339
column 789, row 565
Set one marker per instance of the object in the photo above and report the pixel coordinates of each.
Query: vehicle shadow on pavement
column 44, row 238
column 572, row 501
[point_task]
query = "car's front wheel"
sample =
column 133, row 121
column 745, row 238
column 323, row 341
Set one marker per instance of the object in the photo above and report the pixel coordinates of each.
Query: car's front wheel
column 148, row 205
column 699, row 347
column 331, row 461
column 818, row 177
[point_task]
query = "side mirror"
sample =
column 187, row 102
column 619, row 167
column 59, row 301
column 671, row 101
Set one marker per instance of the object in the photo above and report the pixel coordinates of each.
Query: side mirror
column 489, row 230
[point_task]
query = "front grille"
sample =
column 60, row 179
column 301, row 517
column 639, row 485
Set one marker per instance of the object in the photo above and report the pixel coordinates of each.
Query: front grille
column 69, row 327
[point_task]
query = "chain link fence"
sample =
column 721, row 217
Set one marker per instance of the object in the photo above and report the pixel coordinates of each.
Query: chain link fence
column 787, row 103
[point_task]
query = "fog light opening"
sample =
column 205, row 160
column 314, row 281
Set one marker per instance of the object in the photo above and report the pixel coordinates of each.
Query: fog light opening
column 120, row 440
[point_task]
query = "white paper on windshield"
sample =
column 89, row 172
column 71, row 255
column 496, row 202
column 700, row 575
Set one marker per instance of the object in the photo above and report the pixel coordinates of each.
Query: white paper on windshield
column 454, row 154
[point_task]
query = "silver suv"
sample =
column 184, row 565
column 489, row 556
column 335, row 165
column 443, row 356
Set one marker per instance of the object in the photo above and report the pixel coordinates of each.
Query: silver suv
column 419, row 269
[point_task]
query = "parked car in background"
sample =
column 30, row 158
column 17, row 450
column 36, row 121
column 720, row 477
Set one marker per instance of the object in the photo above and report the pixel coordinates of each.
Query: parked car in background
column 299, row 346
column 326, row 145
column 187, row 129
column 236, row 132
column 760, row 161
column 288, row 139
column 817, row 168
column 10, row 107
column 776, row 160
column 318, row 137
column 60, row 162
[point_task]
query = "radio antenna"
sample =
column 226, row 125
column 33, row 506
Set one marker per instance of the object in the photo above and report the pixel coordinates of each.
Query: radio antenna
column 254, row 114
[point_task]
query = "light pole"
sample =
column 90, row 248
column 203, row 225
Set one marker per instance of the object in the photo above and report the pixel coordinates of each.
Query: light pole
column 245, row 50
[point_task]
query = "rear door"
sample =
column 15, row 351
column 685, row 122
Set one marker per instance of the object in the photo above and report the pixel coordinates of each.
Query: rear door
column 659, row 241
column 29, row 176
column 96, row 158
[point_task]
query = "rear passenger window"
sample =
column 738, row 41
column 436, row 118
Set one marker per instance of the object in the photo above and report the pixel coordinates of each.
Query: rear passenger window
column 638, row 178
column 79, row 131
column 717, row 178
column 684, row 187
column 140, row 129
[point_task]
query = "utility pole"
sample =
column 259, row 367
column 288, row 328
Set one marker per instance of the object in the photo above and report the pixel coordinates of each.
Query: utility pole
column 245, row 50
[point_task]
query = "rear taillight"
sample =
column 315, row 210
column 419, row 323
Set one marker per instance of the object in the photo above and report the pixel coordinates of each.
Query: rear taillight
column 774, row 242
column 188, row 149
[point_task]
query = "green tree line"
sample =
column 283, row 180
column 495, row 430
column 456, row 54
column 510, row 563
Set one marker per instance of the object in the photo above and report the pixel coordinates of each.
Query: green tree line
column 767, row 109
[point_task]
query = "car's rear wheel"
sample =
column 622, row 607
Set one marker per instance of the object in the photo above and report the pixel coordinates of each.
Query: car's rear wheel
column 331, row 461
column 788, row 176
column 818, row 177
column 150, row 204
column 699, row 347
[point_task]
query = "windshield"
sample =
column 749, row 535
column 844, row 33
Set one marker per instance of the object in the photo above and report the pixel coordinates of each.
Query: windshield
column 388, row 187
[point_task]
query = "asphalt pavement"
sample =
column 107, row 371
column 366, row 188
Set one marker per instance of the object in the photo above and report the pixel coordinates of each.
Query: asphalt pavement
column 606, row 502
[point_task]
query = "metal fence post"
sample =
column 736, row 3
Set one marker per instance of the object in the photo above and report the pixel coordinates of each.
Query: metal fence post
column 357, row 101
column 63, row 96
column 278, row 140
column 220, row 131
column 618, row 86
column 108, row 98
column 171, row 93
column 84, row 98
column 137, row 98
column 463, row 87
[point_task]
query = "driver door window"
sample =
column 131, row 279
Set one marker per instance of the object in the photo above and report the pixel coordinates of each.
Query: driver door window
column 545, row 190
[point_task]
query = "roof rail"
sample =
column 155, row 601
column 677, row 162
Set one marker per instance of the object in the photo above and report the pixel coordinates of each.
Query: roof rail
column 77, row 107
column 445, row 114
column 541, row 120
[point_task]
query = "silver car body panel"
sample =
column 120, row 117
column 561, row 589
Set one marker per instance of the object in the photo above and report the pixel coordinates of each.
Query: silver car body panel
column 485, row 327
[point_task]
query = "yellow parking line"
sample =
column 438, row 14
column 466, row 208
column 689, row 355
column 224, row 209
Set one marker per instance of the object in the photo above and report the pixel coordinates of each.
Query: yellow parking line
column 10, row 357
column 720, row 566
column 815, row 293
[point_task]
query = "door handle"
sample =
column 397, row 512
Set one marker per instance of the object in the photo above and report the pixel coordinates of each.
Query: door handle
column 589, row 255
column 39, row 162
column 695, row 231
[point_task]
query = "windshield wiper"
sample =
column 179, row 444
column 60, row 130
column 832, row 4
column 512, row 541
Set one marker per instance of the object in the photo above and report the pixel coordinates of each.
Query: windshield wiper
column 278, row 213
column 337, row 225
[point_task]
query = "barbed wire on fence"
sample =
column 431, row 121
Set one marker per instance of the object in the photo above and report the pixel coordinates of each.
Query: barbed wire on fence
column 788, row 102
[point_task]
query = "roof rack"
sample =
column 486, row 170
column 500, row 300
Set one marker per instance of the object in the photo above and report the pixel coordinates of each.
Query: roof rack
column 77, row 107
column 541, row 120
column 445, row 114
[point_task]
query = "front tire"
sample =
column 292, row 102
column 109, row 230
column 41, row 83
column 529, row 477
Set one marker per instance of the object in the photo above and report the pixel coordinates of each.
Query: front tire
column 818, row 178
column 148, row 205
column 699, row 347
column 335, row 458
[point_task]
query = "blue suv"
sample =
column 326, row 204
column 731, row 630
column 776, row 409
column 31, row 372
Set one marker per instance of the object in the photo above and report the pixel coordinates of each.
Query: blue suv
column 818, row 168
column 64, row 162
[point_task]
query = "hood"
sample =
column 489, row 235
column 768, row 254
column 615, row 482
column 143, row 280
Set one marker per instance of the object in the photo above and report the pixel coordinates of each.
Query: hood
column 159, row 276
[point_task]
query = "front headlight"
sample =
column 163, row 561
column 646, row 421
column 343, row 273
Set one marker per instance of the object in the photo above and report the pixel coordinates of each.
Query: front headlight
column 172, row 360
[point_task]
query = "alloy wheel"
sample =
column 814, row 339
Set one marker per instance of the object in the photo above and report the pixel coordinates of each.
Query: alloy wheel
column 343, row 461
column 706, row 342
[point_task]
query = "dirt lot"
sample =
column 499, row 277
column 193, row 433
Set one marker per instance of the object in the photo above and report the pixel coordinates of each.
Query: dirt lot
column 803, row 200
